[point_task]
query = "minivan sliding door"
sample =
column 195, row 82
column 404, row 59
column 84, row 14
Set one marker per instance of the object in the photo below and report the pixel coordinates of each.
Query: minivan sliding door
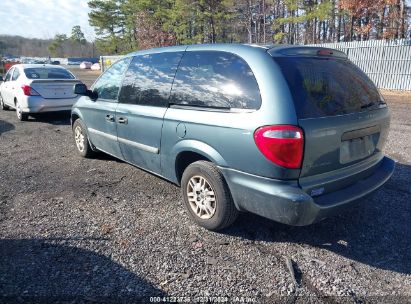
column 143, row 102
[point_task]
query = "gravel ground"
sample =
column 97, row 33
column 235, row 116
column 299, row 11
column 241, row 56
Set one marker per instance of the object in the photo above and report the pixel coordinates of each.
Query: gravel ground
column 100, row 230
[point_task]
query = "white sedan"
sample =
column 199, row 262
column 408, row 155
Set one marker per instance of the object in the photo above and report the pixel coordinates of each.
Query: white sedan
column 35, row 88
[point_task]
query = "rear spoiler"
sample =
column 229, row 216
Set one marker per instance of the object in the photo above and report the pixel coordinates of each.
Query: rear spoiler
column 306, row 51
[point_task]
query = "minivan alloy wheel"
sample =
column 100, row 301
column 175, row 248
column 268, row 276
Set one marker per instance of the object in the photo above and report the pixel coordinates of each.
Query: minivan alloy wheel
column 79, row 138
column 207, row 196
column 201, row 197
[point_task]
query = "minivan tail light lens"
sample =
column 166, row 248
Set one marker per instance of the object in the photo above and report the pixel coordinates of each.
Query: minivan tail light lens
column 29, row 91
column 281, row 144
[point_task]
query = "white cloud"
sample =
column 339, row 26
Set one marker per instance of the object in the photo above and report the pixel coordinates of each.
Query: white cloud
column 44, row 18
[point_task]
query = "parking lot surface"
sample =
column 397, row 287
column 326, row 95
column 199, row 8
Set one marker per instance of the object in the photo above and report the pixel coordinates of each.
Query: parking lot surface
column 101, row 230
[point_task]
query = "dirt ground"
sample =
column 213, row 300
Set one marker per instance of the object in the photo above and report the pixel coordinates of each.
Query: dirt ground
column 100, row 230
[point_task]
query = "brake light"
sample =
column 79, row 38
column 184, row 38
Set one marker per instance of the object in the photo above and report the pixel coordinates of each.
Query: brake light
column 281, row 144
column 29, row 91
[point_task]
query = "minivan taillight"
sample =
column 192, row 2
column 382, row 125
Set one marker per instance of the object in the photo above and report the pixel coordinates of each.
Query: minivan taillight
column 281, row 144
column 29, row 91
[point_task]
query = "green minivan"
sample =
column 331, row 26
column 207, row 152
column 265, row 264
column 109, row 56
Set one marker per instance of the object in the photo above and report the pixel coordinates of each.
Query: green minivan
column 292, row 133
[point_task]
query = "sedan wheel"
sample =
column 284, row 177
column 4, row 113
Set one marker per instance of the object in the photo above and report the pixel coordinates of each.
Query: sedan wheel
column 19, row 112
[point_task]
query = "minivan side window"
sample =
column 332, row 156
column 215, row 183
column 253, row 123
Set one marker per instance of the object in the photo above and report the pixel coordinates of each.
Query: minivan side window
column 149, row 78
column 215, row 79
column 16, row 74
column 108, row 85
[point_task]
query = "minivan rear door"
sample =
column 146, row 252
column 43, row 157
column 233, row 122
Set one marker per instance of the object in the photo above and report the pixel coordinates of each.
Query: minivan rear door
column 344, row 118
column 143, row 102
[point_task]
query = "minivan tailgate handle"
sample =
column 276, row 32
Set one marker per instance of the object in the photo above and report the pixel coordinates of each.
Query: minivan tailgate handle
column 360, row 133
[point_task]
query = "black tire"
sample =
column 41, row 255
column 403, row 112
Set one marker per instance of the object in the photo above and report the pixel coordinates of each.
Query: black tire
column 225, row 212
column 2, row 104
column 20, row 115
column 81, row 139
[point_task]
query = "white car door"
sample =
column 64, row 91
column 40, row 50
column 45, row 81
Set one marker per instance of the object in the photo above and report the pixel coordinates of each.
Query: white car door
column 5, row 88
column 14, row 86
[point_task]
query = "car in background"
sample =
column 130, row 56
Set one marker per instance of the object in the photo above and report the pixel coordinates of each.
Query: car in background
column 95, row 67
column 85, row 65
column 33, row 88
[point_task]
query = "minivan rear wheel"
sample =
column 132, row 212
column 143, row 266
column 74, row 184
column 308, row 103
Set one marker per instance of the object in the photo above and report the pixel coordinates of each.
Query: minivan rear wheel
column 207, row 197
column 81, row 139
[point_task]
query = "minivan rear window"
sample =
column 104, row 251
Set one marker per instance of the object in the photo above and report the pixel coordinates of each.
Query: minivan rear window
column 328, row 86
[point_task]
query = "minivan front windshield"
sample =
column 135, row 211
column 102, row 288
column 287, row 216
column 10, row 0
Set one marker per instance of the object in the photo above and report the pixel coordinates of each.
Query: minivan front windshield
column 328, row 86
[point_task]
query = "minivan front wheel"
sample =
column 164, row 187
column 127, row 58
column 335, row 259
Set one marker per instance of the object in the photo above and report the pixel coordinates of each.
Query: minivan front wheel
column 81, row 139
column 207, row 197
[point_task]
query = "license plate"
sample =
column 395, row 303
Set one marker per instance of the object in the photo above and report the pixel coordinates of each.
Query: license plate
column 356, row 148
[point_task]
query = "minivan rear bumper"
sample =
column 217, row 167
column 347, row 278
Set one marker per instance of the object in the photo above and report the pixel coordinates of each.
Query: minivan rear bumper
column 286, row 202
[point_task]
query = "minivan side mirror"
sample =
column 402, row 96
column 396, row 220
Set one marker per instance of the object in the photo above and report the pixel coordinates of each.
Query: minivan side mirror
column 81, row 89
column 1, row 78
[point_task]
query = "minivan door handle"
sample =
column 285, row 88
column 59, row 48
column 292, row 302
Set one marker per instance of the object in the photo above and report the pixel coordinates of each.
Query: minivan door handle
column 110, row 118
column 122, row 120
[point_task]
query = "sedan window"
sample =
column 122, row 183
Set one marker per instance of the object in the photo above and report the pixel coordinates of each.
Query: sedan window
column 16, row 74
column 47, row 73
column 8, row 75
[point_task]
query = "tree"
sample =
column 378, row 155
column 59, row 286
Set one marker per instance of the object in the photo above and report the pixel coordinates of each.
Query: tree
column 125, row 25
column 77, row 35
column 56, row 48
column 109, row 21
column 146, row 23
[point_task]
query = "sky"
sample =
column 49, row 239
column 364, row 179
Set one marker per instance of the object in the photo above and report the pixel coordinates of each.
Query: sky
column 44, row 18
